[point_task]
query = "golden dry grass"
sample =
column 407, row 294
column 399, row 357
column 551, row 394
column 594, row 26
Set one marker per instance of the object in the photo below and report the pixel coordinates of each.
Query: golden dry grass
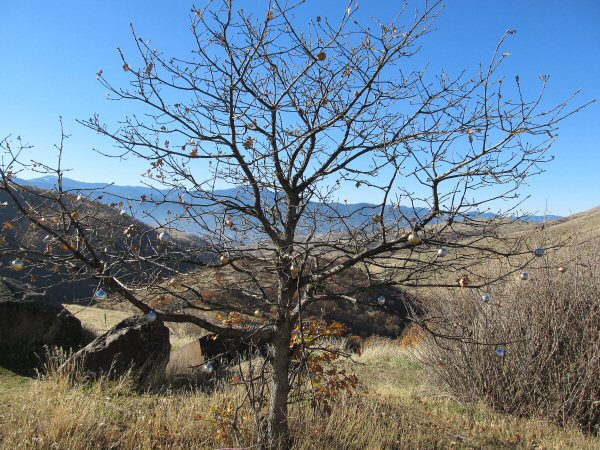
column 587, row 222
column 394, row 408
column 97, row 320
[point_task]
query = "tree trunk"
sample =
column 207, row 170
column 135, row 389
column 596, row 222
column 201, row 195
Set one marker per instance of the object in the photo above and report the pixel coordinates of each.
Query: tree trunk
column 278, row 405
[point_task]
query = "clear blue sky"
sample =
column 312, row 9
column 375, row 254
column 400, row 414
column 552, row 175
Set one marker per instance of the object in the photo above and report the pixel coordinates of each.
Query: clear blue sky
column 50, row 53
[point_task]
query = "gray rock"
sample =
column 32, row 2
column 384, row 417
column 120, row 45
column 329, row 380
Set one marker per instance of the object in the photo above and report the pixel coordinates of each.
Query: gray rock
column 137, row 344
column 30, row 320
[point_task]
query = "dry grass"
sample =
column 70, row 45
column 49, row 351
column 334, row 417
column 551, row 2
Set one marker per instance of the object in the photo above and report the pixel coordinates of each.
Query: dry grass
column 99, row 320
column 394, row 408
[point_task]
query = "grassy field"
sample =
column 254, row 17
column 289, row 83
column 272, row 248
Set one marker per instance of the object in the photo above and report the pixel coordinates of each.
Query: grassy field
column 395, row 407
column 10, row 381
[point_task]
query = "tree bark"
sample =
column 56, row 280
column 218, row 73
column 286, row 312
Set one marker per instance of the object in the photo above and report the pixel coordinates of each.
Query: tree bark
column 278, row 404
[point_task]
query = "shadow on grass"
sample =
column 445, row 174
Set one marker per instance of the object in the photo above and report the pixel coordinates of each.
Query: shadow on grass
column 10, row 380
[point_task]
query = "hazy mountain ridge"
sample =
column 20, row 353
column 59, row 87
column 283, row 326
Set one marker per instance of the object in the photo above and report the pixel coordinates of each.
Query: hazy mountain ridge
column 131, row 196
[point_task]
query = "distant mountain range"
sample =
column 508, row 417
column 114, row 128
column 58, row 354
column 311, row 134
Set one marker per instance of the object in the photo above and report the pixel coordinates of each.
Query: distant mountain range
column 355, row 214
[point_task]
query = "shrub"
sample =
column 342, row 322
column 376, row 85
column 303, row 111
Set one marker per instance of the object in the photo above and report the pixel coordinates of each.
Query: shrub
column 549, row 329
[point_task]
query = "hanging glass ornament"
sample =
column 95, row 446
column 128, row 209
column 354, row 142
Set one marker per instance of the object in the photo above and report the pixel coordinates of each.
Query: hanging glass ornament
column 294, row 270
column 151, row 316
column 524, row 276
column 129, row 231
column 381, row 300
column 540, row 251
column 370, row 312
column 208, row 368
column 164, row 237
column 562, row 269
column 259, row 314
column 486, row 298
column 100, row 294
column 442, row 252
column 500, row 352
column 17, row 265
column 414, row 238
column 224, row 259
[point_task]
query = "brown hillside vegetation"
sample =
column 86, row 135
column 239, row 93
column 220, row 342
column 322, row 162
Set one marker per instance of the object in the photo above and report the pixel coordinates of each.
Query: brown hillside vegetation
column 47, row 261
column 222, row 291
column 395, row 408
column 586, row 221
column 583, row 222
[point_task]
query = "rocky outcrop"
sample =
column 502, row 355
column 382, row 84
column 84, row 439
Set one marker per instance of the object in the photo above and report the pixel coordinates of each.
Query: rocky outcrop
column 29, row 321
column 137, row 344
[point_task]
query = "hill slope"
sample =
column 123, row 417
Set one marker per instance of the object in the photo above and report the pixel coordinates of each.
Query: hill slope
column 585, row 222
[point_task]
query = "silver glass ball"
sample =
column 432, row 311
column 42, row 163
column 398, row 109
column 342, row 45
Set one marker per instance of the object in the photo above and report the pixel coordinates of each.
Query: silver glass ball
column 151, row 316
column 208, row 368
column 294, row 269
column 381, row 300
column 486, row 298
column 500, row 352
column 524, row 276
column 370, row 312
column 164, row 237
column 442, row 252
column 540, row 251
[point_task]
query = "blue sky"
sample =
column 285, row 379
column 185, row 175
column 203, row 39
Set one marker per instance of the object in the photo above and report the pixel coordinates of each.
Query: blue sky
column 50, row 53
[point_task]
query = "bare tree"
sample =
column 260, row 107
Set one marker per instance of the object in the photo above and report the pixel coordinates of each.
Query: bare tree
column 288, row 115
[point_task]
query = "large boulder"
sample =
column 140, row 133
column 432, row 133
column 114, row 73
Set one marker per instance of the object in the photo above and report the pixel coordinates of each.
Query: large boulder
column 29, row 321
column 137, row 343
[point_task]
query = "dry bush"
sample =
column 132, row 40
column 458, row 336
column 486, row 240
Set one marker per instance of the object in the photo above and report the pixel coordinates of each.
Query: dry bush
column 549, row 328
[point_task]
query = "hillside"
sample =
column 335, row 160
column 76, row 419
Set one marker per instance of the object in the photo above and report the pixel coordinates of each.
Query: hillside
column 106, row 228
column 585, row 222
column 225, row 291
